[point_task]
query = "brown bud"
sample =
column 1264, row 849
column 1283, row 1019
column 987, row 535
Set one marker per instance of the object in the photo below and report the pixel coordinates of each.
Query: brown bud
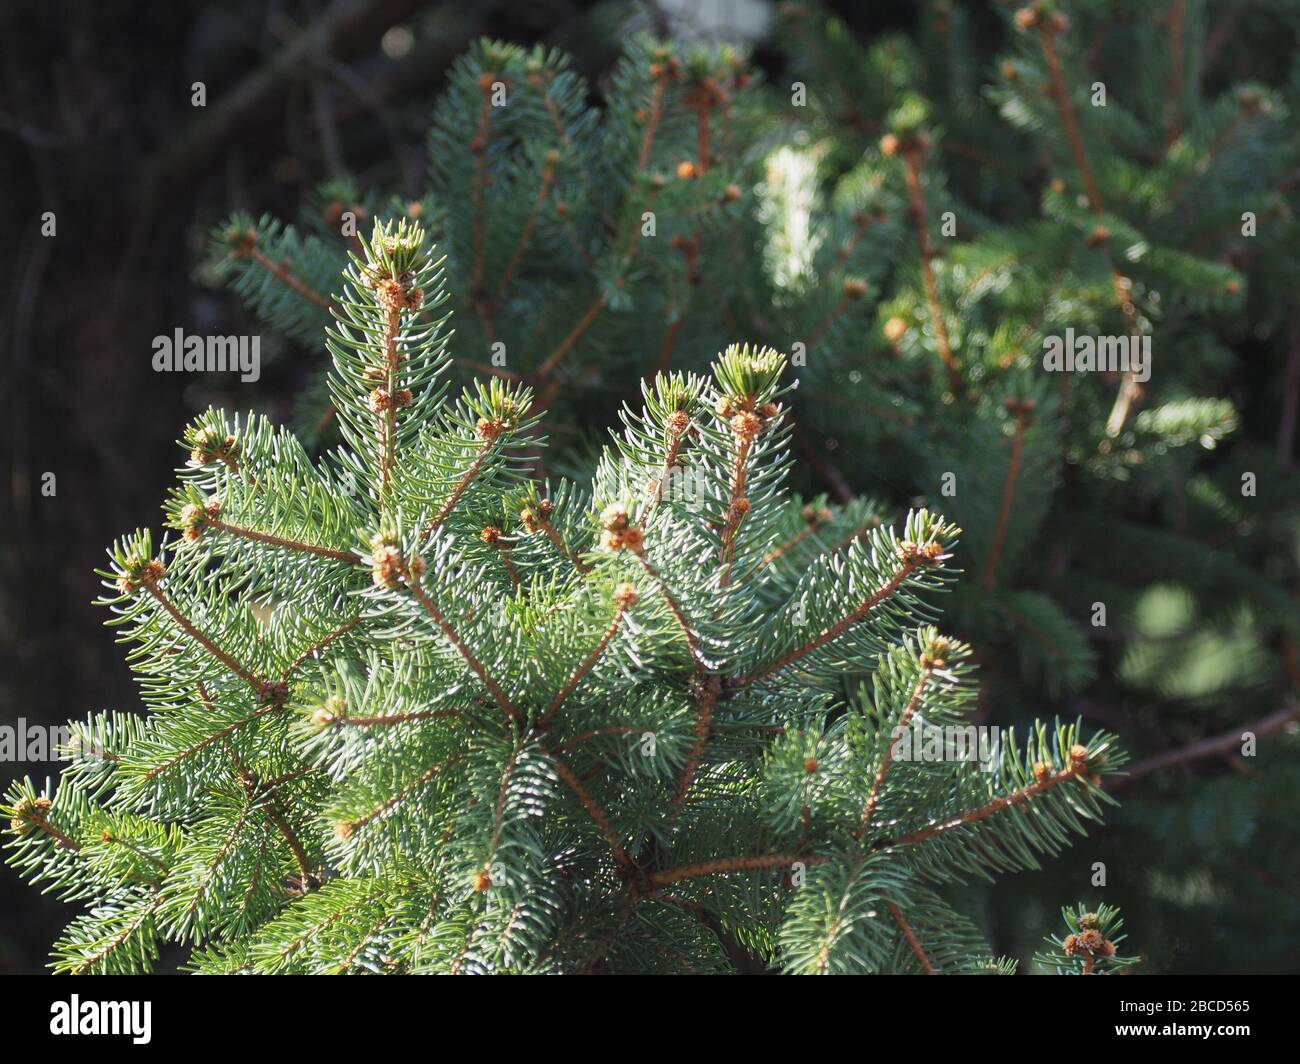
column 1026, row 18
column 614, row 518
column 895, row 329
column 746, row 425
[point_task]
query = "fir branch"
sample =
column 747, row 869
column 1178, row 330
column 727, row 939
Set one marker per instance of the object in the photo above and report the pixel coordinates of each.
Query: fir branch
column 387, row 720
column 348, row 828
column 723, row 865
column 838, row 628
column 388, row 416
column 543, row 523
column 596, row 733
column 593, row 808
column 735, row 510
column 1129, row 389
column 184, row 623
column 587, row 665
column 268, row 538
column 706, row 691
column 675, row 609
column 652, row 120
column 1047, row 30
column 1020, row 412
column 320, row 645
column 89, row 962
column 479, row 147
column 417, row 590
column 911, row 151
column 997, row 805
column 864, row 825
column 912, row 940
column 548, row 365
column 204, row 743
column 36, row 817
column 248, row 249
column 543, row 190
column 575, row 334
column 462, row 485
column 1173, row 126
column 1214, row 746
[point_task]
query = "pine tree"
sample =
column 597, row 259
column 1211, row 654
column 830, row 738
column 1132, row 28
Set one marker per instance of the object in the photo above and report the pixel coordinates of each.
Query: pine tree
column 413, row 709
column 1117, row 532
column 1092, row 945
column 920, row 214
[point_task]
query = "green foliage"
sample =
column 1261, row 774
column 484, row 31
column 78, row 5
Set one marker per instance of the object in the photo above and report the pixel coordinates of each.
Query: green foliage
column 413, row 709
column 1091, row 947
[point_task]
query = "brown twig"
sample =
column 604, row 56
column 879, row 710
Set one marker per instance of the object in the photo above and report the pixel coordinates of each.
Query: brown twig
column 188, row 627
column 722, row 865
column 393, row 799
column 1175, row 90
column 282, row 541
column 388, row 419
column 912, row 158
column 912, row 940
column 574, row 335
column 1061, row 97
column 544, row 189
column 507, row 707
column 282, row 273
column 1008, row 499
column 706, row 692
column 593, row 808
column 838, row 628
column 997, row 805
column 320, row 644
column 1214, row 746
column 587, row 665
column 389, row 719
column 445, row 510
column 869, row 810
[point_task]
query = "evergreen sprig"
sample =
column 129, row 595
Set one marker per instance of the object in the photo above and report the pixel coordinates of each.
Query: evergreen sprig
column 413, row 709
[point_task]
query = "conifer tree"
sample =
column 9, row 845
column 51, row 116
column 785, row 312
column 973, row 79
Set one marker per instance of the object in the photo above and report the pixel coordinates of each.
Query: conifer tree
column 412, row 708
column 1080, row 166
column 913, row 218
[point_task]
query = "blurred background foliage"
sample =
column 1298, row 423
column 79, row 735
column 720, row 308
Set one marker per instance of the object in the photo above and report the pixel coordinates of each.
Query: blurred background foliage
column 311, row 103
